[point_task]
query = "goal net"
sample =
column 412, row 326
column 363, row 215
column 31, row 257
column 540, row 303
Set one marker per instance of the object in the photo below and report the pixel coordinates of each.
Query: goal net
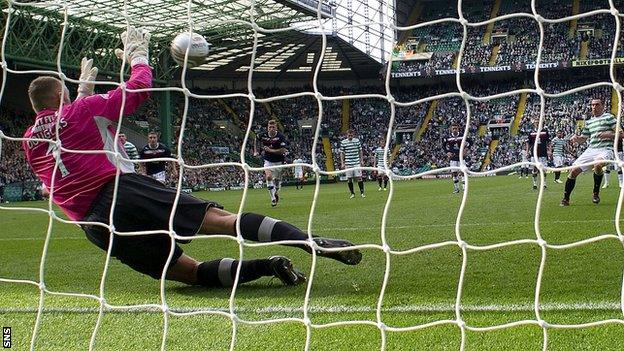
column 403, row 296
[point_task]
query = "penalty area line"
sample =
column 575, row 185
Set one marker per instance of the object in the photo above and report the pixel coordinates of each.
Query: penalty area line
column 343, row 229
column 422, row 308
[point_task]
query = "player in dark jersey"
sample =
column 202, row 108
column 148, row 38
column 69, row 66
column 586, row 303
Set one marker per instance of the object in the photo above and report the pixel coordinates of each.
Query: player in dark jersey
column 273, row 151
column 452, row 145
column 155, row 149
column 544, row 149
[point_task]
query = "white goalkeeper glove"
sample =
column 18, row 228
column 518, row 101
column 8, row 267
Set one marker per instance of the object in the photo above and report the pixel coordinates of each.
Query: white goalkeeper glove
column 88, row 73
column 136, row 46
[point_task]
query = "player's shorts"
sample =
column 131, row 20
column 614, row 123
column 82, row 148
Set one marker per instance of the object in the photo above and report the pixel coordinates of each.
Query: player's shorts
column 353, row 173
column 591, row 155
column 542, row 160
column 298, row 174
column 558, row 160
column 144, row 204
column 275, row 172
column 160, row 176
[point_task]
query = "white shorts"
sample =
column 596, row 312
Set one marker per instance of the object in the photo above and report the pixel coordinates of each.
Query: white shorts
column 353, row 173
column 275, row 172
column 298, row 174
column 454, row 164
column 591, row 155
column 542, row 160
column 558, row 160
column 160, row 176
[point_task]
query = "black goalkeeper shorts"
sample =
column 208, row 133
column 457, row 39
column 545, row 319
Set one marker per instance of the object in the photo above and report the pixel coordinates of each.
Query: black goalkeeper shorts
column 143, row 204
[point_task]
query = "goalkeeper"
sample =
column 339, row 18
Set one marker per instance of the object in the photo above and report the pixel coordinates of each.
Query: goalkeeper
column 82, row 185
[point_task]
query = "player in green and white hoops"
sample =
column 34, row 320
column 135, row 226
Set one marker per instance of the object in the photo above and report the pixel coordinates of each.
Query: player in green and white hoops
column 382, row 178
column 600, row 130
column 351, row 156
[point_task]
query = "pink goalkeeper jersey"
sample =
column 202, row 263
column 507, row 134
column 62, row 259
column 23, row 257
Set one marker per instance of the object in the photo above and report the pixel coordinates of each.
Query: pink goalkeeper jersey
column 85, row 124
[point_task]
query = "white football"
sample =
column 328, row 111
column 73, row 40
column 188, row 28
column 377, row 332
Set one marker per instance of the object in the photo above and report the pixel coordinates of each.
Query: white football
column 197, row 53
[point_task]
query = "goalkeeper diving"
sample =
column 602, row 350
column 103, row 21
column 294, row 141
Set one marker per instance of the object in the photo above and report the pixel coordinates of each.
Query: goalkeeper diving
column 82, row 185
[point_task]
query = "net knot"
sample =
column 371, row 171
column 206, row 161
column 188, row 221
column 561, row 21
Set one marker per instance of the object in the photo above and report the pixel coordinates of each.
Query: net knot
column 307, row 322
column 539, row 91
column 390, row 98
column 541, row 242
column 462, row 244
column 318, row 95
column 382, row 326
column 543, row 324
column 465, row 95
column 538, row 17
column 461, row 324
column 615, row 12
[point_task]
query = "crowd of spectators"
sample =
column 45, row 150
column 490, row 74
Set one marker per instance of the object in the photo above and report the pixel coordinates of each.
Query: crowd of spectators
column 517, row 39
column 214, row 129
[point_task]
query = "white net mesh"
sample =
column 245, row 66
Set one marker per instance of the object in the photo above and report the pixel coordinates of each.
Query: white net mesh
column 389, row 253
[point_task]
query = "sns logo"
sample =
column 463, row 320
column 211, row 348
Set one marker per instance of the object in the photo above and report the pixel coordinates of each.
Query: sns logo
column 6, row 337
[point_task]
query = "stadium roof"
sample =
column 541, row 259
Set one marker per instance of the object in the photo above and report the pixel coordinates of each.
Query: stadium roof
column 288, row 30
column 291, row 53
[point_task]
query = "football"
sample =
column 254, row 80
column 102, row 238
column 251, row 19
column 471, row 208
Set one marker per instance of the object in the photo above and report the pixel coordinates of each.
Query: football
column 197, row 52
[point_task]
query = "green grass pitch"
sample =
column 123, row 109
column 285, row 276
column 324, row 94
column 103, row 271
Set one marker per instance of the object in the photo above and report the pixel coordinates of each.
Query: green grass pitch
column 582, row 284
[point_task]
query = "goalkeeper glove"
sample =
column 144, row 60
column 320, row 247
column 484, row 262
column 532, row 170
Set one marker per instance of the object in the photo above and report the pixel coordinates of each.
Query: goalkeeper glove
column 88, row 73
column 136, row 46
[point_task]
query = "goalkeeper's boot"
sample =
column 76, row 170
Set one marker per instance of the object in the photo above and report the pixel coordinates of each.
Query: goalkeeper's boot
column 283, row 269
column 350, row 257
column 564, row 202
column 596, row 198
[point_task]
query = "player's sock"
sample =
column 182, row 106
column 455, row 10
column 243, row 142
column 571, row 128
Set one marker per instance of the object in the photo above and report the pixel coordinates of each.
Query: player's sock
column 385, row 182
column 271, row 188
column 620, row 177
column 350, row 184
column 221, row 273
column 261, row 228
column 606, row 175
column 597, row 182
column 361, row 186
column 534, row 179
column 379, row 180
column 569, row 186
column 557, row 175
column 456, row 183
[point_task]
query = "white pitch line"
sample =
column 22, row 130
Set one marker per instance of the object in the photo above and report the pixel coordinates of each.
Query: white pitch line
column 424, row 308
column 475, row 224
column 342, row 229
